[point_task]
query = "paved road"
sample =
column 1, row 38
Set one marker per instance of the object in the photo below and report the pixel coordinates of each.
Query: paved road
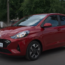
column 50, row 57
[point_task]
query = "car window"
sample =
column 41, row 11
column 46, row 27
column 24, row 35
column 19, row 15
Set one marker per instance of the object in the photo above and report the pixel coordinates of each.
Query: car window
column 62, row 18
column 53, row 20
column 30, row 20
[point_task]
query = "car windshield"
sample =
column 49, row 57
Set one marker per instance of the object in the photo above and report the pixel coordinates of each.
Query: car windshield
column 30, row 20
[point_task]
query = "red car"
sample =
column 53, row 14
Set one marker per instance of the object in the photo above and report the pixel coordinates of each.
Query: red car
column 33, row 34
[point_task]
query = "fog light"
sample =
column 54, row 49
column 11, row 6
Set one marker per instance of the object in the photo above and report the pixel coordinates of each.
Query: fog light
column 18, row 48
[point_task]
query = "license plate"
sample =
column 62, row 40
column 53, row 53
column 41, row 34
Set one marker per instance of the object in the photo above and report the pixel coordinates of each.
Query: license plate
column 1, row 44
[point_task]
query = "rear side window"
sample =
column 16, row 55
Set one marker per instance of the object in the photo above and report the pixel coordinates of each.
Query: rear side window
column 53, row 20
column 62, row 18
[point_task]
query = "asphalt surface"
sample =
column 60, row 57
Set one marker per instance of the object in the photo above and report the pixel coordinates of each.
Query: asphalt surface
column 50, row 57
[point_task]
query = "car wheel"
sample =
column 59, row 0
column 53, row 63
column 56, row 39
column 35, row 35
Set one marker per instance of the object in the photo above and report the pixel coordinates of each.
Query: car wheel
column 33, row 50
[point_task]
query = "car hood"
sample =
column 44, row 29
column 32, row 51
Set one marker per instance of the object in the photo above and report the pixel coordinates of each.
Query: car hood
column 10, row 31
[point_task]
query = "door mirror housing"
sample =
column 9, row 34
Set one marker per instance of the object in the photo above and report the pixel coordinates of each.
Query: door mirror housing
column 47, row 25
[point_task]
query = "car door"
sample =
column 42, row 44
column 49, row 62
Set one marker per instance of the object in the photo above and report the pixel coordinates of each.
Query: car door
column 51, row 35
column 62, row 29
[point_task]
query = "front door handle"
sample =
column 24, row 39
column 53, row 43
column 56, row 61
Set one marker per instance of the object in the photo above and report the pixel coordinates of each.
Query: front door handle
column 58, row 29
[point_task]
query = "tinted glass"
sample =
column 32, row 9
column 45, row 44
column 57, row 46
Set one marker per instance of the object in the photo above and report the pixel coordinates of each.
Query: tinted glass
column 53, row 20
column 30, row 20
column 62, row 18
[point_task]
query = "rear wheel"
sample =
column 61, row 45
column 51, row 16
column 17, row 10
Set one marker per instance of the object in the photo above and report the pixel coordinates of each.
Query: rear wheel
column 33, row 50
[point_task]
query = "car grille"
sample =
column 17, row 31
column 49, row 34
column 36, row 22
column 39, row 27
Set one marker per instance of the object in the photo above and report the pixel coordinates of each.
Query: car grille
column 4, row 50
column 5, row 42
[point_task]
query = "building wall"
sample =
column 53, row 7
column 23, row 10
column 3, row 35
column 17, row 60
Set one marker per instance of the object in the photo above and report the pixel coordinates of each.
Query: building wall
column 2, row 24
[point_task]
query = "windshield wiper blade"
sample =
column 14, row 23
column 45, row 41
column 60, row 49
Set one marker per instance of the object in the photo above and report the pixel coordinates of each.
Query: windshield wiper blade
column 20, row 25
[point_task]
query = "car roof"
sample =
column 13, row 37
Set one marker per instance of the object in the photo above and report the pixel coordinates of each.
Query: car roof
column 49, row 14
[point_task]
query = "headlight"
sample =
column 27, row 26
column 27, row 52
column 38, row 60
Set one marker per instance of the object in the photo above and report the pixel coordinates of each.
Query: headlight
column 20, row 35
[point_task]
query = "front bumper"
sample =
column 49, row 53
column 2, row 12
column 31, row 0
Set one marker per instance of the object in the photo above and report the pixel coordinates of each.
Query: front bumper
column 11, row 48
column 12, row 52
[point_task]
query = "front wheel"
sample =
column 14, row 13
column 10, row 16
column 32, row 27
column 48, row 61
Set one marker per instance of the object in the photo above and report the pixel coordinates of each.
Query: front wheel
column 33, row 50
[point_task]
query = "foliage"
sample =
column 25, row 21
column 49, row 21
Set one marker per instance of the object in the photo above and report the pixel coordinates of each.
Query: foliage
column 3, row 10
column 14, row 6
column 43, row 6
column 20, row 8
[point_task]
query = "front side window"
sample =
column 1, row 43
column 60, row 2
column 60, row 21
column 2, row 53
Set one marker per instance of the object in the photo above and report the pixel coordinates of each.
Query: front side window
column 30, row 20
column 62, row 18
column 53, row 20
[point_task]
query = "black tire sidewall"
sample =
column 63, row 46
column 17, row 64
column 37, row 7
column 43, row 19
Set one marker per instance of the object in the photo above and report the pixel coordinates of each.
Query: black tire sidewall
column 28, row 50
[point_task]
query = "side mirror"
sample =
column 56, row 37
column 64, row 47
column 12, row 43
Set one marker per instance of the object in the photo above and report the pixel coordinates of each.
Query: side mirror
column 47, row 25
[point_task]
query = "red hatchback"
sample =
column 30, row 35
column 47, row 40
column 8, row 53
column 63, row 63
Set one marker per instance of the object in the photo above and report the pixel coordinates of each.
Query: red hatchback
column 33, row 34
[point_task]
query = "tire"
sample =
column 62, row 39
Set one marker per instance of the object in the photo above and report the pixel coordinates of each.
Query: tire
column 33, row 50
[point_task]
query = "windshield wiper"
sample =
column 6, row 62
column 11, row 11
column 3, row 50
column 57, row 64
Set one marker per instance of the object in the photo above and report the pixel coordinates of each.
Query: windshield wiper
column 20, row 25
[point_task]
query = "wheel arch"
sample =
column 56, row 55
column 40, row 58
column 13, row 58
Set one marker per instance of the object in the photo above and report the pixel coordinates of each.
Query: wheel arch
column 39, row 43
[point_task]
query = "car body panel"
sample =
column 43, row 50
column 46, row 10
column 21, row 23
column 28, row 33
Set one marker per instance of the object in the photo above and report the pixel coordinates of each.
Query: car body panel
column 49, row 38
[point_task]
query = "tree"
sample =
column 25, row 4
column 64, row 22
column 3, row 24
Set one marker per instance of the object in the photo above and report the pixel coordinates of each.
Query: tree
column 14, row 9
column 3, row 10
column 20, row 8
column 41, row 6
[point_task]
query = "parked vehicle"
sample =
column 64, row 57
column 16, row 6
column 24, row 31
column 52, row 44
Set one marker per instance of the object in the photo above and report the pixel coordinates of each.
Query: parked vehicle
column 33, row 34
